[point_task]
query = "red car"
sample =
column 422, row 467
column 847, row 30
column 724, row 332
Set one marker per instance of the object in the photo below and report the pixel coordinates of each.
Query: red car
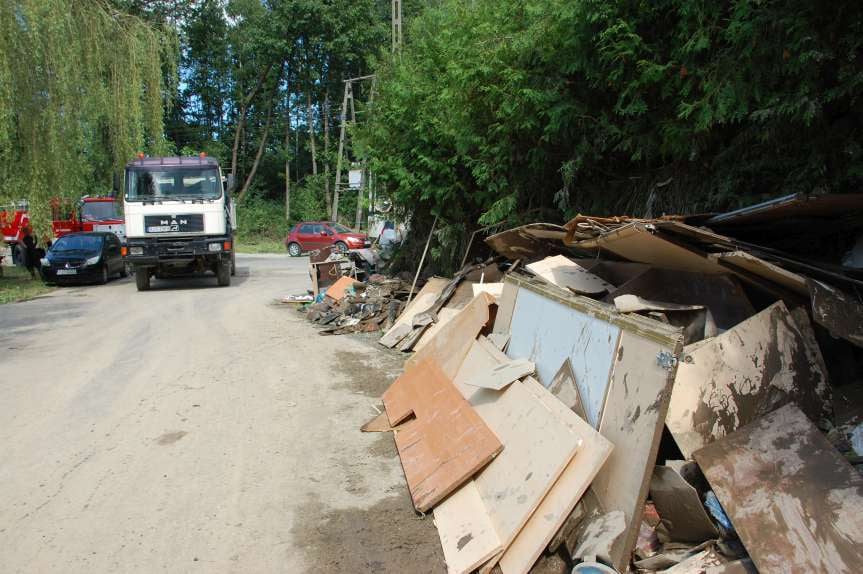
column 310, row 235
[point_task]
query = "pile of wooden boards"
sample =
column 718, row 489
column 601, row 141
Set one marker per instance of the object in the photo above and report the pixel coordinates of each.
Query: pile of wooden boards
column 663, row 405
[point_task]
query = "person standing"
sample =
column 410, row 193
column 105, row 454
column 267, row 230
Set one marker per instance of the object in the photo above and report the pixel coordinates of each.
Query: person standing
column 31, row 255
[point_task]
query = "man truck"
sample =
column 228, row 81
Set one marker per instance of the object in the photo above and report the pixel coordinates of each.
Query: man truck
column 180, row 219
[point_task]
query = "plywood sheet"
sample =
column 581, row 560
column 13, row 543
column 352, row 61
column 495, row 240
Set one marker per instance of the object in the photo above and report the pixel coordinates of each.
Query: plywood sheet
column 563, row 272
column 444, row 316
column 548, row 332
column 446, row 443
column 537, row 448
column 466, row 532
column 450, row 345
column 795, row 502
column 534, row 537
column 728, row 381
column 632, row 420
column 764, row 269
column 721, row 294
column 339, row 289
column 637, row 243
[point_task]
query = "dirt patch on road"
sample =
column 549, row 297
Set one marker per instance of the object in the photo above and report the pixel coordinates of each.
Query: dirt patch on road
column 387, row 538
column 367, row 375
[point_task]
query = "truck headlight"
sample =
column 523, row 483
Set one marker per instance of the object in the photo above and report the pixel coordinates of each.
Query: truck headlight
column 136, row 251
column 215, row 247
column 93, row 260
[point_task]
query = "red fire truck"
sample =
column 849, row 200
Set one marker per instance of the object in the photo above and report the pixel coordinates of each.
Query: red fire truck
column 85, row 214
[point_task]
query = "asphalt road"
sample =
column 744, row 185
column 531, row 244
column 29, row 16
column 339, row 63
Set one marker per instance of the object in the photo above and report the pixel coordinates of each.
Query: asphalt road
column 193, row 428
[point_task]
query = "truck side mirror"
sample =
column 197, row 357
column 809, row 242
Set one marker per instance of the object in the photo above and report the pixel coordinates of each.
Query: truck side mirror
column 116, row 183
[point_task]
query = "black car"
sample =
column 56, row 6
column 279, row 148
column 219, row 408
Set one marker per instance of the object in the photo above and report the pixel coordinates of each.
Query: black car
column 83, row 257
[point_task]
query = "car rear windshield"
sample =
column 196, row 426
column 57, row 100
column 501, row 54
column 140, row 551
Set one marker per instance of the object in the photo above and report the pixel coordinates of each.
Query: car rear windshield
column 77, row 243
column 173, row 183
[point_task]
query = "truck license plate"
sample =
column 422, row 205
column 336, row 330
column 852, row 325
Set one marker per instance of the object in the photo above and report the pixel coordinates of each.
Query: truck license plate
column 67, row 272
column 162, row 228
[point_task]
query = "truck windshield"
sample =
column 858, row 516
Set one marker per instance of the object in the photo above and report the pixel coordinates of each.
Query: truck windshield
column 99, row 211
column 167, row 184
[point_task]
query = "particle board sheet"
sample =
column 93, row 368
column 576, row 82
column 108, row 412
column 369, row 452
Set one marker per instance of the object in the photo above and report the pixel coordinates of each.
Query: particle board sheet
column 764, row 269
column 423, row 300
column 557, row 505
column 548, row 331
column 720, row 293
column 639, row 244
column 632, row 420
column 795, row 502
column 466, row 532
column 563, row 272
column 537, row 448
column 446, row 443
column 452, row 342
column 444, row 316
column 732, row 379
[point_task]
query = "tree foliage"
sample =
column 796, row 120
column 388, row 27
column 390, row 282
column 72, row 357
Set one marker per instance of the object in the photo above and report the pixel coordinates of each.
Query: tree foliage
column 538, row 109
column 81, row 90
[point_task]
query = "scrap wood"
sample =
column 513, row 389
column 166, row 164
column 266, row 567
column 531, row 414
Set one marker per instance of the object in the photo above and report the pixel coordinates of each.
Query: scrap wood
column 537, row 448
column 450, row 346
column 796, row 504
column 444, row 316
column 728, row 381
column 633, row 303
column 378, row 424
column 568, row 274
column 493, row 289
column 563, row 496
column 564, row 387
column 839, row 312
column 424, row 300
column 741, row 260
column 339, row 289
column 446, row 443
column 529, row 242
column 503, row 374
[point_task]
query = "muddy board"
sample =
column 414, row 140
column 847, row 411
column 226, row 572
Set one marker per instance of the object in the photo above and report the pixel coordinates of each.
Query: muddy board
column 795, row 502
column 730, row 380
column 446, row 443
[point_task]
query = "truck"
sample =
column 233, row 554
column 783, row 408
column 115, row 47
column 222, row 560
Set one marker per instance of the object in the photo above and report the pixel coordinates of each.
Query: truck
column 89, row 213
column 180, row 219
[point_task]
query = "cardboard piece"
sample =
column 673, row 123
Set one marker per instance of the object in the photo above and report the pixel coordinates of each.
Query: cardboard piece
column 568, row 274
column 633, row 303
column 726, row 382
column 452, row 342
column 502, row 374
column 338, row 290
column 564, row 387
column 446, row 443
column 795, row 502
column 680, row 507
column 557, row 505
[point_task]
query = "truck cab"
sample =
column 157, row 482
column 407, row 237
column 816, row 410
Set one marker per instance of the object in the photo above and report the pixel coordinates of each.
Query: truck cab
column 180, row 219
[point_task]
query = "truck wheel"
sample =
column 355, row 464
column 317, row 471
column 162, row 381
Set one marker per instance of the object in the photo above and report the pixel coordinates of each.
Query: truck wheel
column 124, row 272
column 223, row 273
column 142, row 279
column 294, row 249
column 233, row 262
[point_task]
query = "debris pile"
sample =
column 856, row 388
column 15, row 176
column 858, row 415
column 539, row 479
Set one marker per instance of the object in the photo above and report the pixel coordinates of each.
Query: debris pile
column 650, row 395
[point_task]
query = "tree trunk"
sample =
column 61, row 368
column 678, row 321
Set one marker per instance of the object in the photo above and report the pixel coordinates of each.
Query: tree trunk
column 263, row 143
column 241, row 116
column 310, row 120
column 327, row 196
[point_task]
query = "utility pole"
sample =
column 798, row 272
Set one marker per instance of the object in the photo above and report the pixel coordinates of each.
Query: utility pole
column 343, row 117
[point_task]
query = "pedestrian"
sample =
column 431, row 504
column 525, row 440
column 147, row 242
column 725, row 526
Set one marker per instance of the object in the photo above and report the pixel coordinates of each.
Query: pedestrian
column 31, row 255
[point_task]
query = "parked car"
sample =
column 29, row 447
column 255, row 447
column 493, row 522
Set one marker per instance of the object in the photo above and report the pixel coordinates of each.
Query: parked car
column 310, row 235
column 83, row 257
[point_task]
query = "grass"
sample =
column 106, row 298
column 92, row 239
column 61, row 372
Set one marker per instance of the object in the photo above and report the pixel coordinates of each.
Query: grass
column 262, row 245
column 16, row 285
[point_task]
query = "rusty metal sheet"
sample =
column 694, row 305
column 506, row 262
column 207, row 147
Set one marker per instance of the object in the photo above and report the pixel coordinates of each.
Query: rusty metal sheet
column 728, row 381
column 795, row 502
